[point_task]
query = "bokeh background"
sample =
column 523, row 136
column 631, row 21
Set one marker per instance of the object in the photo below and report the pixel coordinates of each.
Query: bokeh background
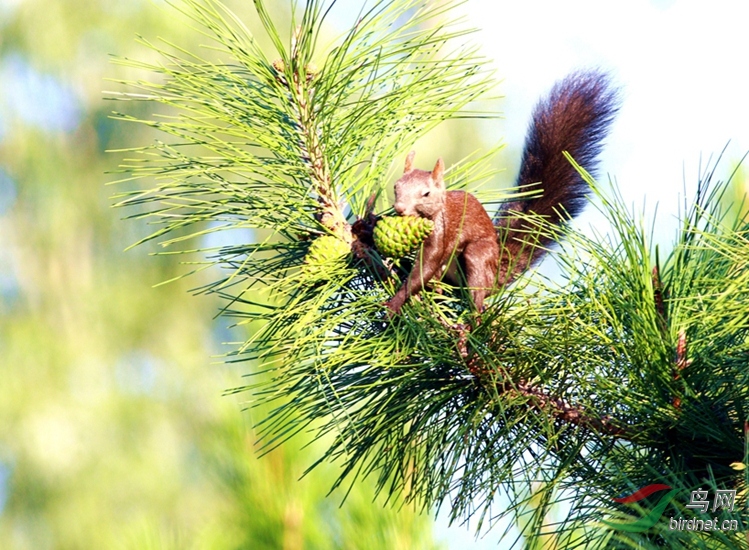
column 115, row 430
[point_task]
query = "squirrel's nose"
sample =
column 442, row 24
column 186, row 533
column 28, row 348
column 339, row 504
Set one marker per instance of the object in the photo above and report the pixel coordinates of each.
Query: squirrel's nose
column 399, row 208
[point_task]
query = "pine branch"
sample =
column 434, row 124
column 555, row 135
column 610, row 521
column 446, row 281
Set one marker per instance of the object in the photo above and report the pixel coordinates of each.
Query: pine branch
column 537, row 397
column 559, row 409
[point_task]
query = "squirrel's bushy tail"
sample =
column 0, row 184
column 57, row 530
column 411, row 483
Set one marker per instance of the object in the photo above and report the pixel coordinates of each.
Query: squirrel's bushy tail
column 575, row 117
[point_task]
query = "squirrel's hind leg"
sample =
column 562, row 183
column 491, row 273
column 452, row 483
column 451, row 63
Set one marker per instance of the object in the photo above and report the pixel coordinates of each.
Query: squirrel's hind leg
column 480, row 259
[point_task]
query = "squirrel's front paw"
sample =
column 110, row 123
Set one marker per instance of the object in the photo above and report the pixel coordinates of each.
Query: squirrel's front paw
column 393, row 307
column 391, row 311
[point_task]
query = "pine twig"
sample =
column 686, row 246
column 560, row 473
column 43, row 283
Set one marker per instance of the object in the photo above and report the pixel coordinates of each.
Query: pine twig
column 681, row 361
column 659, row 298
column 301, row 92
column 563, row 411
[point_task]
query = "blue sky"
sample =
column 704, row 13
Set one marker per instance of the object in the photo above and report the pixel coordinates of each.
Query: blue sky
column 681, row 65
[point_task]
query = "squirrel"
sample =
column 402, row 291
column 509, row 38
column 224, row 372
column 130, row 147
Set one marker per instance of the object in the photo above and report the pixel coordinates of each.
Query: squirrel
column 575, row 117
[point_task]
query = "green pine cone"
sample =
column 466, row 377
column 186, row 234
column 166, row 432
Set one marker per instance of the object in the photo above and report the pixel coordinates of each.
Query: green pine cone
column 325, row 250
column 395, row 236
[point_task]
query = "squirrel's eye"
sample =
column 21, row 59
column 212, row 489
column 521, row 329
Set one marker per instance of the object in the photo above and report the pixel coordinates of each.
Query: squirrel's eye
column 426, row 194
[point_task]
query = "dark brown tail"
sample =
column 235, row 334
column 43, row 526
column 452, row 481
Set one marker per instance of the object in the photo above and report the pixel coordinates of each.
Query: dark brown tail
column 576, row 118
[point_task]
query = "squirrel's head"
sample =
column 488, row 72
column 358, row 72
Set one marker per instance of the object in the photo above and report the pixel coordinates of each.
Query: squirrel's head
column 420, row 192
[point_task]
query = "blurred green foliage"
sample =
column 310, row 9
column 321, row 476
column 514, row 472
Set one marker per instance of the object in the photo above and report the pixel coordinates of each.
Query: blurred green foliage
column 113, row 429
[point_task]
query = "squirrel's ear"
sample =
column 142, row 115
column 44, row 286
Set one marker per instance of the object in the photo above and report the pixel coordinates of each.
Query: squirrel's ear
column 409, row 162
column 439, row 170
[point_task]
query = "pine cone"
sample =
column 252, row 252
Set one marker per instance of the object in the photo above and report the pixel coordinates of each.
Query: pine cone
column 323, row 251
column 395, row 236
